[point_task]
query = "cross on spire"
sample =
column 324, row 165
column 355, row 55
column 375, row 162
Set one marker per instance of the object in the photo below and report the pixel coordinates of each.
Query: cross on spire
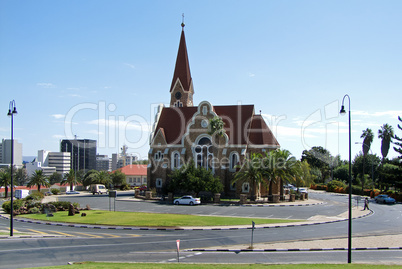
column 182, row 21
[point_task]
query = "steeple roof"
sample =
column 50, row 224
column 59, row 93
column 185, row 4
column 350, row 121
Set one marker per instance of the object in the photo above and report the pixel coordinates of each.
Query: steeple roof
column 182, row 68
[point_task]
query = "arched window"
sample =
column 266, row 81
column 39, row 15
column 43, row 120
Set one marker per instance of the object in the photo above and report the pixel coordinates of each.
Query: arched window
column 158, row 183
column 204, row 154
column 233, row 161
column 175, row 160
column 245, row 187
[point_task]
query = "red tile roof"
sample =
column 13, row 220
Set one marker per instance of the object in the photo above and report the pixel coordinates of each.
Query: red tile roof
column 241, row 124
column 134, row 170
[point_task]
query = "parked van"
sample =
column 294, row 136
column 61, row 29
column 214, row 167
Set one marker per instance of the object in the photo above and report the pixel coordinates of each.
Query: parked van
column 20, row 194
column 98, row 188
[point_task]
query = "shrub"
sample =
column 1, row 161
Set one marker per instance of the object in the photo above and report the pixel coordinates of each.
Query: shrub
column 55, row 191
column 17, row 204
column 36, row 196
column 124, row 187
column 335, row 184
column 34, row 210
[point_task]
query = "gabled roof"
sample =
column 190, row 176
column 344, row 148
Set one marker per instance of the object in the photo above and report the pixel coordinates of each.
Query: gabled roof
column 134, row 170
column 259, row 133
column 182, row 68
column 241, row 125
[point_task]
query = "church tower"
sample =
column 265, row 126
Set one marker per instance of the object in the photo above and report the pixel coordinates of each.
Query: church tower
column 181, row 90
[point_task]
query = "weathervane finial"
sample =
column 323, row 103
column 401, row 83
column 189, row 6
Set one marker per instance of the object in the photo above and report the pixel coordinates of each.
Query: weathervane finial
column 182, row 21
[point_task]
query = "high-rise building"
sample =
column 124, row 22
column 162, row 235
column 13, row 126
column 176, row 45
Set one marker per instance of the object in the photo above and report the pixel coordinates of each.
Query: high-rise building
column 5, row 152
column 60, row 160
column 103, row 163
column 50, row 162
column 83, row 153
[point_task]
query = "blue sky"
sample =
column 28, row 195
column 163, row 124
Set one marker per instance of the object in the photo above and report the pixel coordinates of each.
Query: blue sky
column 98, row 69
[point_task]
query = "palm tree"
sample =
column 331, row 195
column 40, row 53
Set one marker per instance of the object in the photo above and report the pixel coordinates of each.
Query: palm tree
column 279, row 167
column 5, row 180
column 386, row 133
column 251, row 172
column 38, row 179
column 216, row 130
column 69, row 178
column 368, row 137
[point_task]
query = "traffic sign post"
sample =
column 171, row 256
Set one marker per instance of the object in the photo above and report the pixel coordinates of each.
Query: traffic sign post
column 178, row 250
column 252, row 233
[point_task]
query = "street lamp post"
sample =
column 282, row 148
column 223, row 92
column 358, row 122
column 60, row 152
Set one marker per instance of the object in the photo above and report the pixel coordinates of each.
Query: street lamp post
column 11, row 111
column 343, row 112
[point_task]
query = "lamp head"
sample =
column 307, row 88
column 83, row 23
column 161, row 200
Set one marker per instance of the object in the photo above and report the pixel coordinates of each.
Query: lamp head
column 343, row 111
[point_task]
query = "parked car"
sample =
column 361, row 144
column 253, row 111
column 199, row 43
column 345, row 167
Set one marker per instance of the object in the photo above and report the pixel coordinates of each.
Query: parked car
column 303, row 190
column 385, row 199
column 187, row 200
column 72, row 192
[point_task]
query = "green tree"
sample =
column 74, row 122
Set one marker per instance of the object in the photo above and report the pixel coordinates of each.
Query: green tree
column 20, row 176
column 191, row 179
column 5, row 180
column 38, row 179
column 70, row 179
column 342, row 173
column 398, row 144
column 216, row 127
column 251, row 172
column 90, row 178
column 280, row 167
column 371, row 162
column 320, row 158
column 55, row 178
column 118, row 178
column 104, row 178
column 368, row 137
column 302, row 173
column 386, row 133
column 390, row 175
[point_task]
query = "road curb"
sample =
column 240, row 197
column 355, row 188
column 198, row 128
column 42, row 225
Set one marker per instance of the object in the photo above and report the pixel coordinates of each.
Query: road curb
column 175, row 229
column 288, row 249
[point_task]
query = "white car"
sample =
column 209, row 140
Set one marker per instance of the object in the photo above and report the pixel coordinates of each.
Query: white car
column 303, row 190
column 187, row 200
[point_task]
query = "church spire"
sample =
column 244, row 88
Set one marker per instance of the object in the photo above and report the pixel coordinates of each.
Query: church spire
column 181, row 89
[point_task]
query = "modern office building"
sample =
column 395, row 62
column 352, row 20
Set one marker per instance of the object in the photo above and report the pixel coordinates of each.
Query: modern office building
column 83, row 153
column 103, row 163
column 61, row 161
column 5, row 152
column 50, row 162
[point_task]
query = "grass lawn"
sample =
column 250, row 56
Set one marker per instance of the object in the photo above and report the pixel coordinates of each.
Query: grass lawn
column 92, row 265
column 100, row 217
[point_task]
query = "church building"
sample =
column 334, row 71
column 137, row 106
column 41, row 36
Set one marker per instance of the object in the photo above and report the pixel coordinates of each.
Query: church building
column 180, row 134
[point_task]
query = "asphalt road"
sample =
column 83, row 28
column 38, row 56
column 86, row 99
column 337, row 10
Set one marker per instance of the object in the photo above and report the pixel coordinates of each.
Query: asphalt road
column 81, row 244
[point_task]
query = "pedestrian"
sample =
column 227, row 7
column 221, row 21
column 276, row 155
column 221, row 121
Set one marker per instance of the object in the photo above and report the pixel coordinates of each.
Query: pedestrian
column 366, row 204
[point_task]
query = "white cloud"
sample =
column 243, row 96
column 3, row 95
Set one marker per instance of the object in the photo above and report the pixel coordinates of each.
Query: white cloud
column 137, row 123
column 251, row 74
column 389, row 113
column 130, row 65
column 75, row 95
column 45, row 85
column 58, row 136
column 58, row 116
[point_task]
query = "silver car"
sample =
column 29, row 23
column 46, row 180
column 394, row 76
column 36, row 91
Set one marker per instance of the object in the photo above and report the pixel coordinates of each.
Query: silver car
column 187, row 200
